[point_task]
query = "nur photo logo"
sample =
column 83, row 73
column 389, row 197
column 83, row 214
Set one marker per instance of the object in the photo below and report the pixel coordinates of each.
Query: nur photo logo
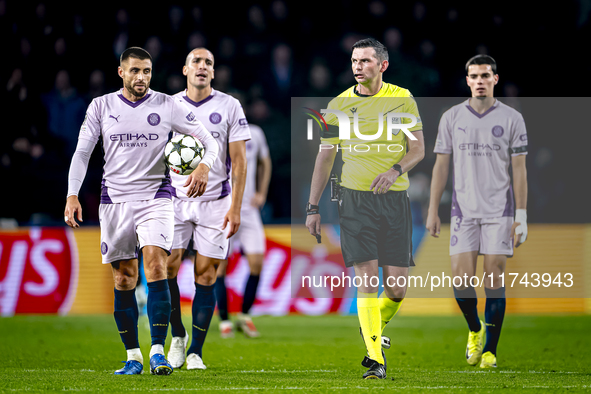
column 317, row 117
column 393, row 125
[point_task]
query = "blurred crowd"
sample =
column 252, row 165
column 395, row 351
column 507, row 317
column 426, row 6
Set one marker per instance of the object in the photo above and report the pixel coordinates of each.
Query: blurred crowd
column 57, row 58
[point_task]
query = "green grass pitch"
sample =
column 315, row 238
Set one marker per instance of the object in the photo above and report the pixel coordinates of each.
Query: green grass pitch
column 301, row 354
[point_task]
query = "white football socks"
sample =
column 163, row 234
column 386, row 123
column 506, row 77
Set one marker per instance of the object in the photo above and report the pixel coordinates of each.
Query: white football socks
column 156, row 349
column 135, row 354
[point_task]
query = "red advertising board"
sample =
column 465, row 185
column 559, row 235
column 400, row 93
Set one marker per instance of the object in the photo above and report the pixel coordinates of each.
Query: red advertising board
column 38, row 271
column 274, row 295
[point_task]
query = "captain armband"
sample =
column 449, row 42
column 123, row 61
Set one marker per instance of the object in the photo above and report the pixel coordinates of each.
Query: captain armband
column 519, row 149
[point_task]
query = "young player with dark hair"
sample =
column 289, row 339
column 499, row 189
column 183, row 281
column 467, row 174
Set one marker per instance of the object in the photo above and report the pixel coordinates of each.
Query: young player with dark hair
column 488, row 141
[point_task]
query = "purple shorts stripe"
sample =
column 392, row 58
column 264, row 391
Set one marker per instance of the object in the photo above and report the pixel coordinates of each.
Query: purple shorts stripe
column 227, row 252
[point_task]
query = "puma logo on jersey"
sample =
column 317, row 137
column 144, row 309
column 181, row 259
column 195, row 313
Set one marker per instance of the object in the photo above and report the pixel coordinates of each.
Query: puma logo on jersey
column 464, row 129
column 116, row 118
column 164, row 236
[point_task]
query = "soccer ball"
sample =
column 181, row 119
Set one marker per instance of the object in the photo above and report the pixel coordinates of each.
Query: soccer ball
column 183, row 153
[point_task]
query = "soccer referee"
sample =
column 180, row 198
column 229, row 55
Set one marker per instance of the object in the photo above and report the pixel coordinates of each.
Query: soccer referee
column 374, row 208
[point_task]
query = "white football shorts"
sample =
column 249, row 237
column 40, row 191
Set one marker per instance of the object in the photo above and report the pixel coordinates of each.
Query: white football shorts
column 127, row 227
column 487, row 236
column 202, row 220
column 251, row 234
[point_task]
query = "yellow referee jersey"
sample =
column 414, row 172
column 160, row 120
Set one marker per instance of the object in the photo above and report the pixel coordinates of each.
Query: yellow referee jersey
column 365, row 159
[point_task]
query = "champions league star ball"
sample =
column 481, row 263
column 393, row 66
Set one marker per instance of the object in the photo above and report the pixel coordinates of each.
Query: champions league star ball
column 183, row 153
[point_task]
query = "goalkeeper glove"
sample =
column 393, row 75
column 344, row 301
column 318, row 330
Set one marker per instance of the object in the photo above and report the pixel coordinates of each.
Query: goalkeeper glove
column 521, row 218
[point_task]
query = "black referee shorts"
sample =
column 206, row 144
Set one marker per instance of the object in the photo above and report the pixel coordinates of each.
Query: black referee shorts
column 376, row 227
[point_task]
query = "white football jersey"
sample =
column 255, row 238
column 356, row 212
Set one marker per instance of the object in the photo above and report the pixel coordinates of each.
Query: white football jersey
column 224, row 117
column 134, row 135
column 482, row 147
column 256, row 149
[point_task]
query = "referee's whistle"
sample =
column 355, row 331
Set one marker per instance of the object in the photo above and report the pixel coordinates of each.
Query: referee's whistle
column 318, row 238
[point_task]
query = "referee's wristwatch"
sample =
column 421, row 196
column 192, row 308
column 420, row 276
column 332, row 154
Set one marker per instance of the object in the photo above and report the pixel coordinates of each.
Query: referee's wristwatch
column 312, row 209
column 398, row 168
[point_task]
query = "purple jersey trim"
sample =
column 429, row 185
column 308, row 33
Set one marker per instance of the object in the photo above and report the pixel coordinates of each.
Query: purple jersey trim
column 133, row 104
column 455, row 207
column 165, row 190
column 226, row 186
column 480, row 116
column 105, row 199
column 226, row 189
column 200, row 103
column 509, row 206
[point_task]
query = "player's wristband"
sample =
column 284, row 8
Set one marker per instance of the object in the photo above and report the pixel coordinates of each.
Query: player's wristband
column 521, row 218
column 312, row 209
column 521, row 215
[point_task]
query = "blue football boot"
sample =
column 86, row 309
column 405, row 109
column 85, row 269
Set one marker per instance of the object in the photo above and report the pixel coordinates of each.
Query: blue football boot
column 131, row 367
column 159, row 365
